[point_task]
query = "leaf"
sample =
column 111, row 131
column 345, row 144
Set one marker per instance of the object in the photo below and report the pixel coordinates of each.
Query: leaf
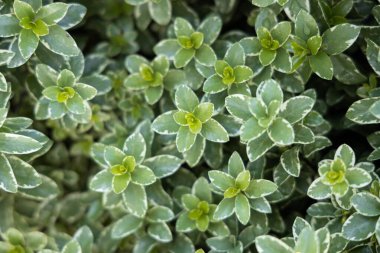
column 60, row 42
column 307, row 241
column 135, row 200
column 182, row 27
column 167, row 47
column 126, row 226
column 52, row 13
column 185, row 99
column 359, row 113
column 366, row 204
column 160, row 11
column 321, row 65
column 184, row 224
column 27, row 43
column 120, row 183
column 340, row 37
column 372, row 54
column 225, row 209
column 163, row 165
column 102, row 182
column 76, row 104
column 266, row 56
column 345, row 70
column 358, row 227
column 238, row 106
column 214, row 84
column 26, row 176
column 143, row 175
column 7, row 179
column 214, row 131
column 270, row 244
column 317, row 190
column 23, row 10
column 235, row 55
column 221, row 180
column 296, row 108
column 194, row 154
column 160, row 231
column 290, row 162
column 205, row 55
column 185, row 139
column 268, row 91
column 347, row 155
column 305, row 25
column 281, row 132
column 9, row 26
column 242, row 74
column 183, row 56
column 210, row 27
column 72, row 247
column 160, row 214
column 258, row 147
column 18, row 144
column 357, row 177
column 242, row 208
column 165, row 124
column 135, row 146
column 85, row 238
column 259, row 188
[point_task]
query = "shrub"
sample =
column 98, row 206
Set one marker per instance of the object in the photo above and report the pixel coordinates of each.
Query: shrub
column 220, row 126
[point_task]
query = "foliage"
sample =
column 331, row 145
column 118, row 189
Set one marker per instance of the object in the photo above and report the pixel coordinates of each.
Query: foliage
column 218, row 126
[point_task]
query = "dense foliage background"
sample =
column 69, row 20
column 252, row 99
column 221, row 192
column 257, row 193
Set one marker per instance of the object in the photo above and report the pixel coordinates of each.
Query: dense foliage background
column 189, row 126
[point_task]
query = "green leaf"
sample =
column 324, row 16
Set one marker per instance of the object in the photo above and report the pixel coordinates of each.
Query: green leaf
column 165, row 124
column 225, row 209
column 281, row 132
column 184, row 224
column 23, row 10
column 86, row 92
column 26, row 176
column 205, row 55
column 347, row 155
column 143, row 175
column 163, row 165
column 160, row 231
column 235, row 55
column 36, row 240
column 194, row 154
column 204, row 111
column 214, row 84
column 238, row 106
column 340, row 37
column 357, row 177
column 213, row 131
column 283, row 61
column 270, row 244
column 358, row 227
column 182, row 27
column 52, row 13
column 296, row 108
column 321, row 65
column 251, row 130
column 167, row 47
column 120, row 183
column 27, row 43
column 242, row 208
column 85, row 238
column 9, row 26
column 258, row 147
column 185, row 99
column 318, row 190
column 126, row 226
column 60, row 42
column 235, row 165
column 268, row 91
column 359, row 113
column 267, row 56
column 281, row 32
column 160, row 214
column 210, row 28
column 160, row 11
column 135, row 200
column 305, row 25
column 221, row 180
column 366, row 204
column 7, row 179
column 102, row 182
column 76, row 105
column 135, row 146
column 185, row 139
column 18, row 144
column 46, row 76
column 307, row 241
column 183, row 57
column 72, row 247
column 242, row 74
column 372, row 54
column 263, row 3
column 290, row 162
column 259, row 188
